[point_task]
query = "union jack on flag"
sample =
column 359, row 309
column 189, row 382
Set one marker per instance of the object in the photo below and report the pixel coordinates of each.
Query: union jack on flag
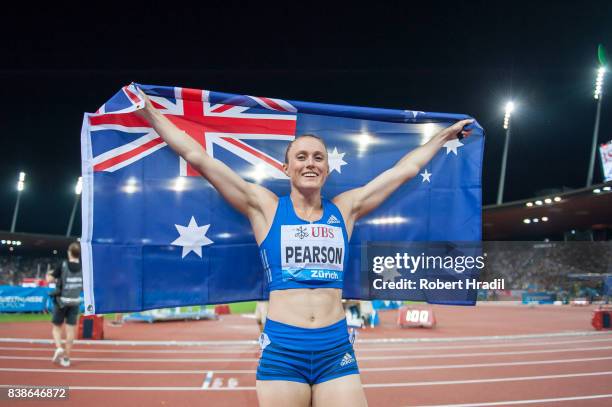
column 209, row 123
column 156, row 234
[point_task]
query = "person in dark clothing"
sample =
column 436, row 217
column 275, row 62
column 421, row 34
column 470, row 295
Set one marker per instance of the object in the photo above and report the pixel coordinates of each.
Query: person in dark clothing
column 69, row 280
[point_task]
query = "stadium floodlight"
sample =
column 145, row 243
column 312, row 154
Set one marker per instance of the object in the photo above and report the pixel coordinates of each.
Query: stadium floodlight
column 527, row 221
column 597, row 190
column 598, row 96
column 20, row 188
column 599, row 82
column 607, row 189
column 544, row 219
column 502, row 177
column 21, row 182
column 529, row 204
column 509, row 110
column 548, row 201
column 539, row 203
column 78, row 189
column 557, row 199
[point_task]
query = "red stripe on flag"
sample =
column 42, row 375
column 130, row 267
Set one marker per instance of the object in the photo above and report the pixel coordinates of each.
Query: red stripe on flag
column 131, row 95
column 222, row 108
column 191, row 94
column 256, row 153
column 127, row 155
column 127, row 119
column 273, row 104
column 157, row 105
column 192, row 102
column 236, row 125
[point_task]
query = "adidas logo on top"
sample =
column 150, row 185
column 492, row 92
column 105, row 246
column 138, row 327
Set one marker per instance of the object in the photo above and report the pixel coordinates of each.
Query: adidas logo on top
column 332, row 219
column 347, row 359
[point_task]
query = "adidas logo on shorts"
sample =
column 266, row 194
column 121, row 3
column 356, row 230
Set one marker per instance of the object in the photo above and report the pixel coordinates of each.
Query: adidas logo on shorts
column 347, row 360
column 332, row 219
column 264, row 341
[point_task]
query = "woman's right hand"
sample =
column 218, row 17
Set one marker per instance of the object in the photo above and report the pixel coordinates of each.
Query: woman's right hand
column 148, row 108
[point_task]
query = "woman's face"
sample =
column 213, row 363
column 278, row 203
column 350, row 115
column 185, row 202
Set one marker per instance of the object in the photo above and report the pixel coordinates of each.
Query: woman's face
column 307, row 165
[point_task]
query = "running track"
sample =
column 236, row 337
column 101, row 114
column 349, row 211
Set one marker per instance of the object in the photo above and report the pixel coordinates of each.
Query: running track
column 536, row 362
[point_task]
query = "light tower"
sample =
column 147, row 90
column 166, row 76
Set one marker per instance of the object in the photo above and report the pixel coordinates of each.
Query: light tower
column 77, row 196
column 502, row 177
column 20, row 187
column 598, row 95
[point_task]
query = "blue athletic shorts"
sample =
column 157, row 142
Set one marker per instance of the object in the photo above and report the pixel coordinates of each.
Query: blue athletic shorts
column 306, row 355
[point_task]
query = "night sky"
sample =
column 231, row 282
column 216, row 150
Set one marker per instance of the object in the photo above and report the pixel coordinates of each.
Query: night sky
column 461, row 57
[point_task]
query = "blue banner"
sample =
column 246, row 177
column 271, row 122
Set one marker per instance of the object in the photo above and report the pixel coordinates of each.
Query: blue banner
column 156, row 234
column 24, row 299
column 539, row 297
column 607, row 288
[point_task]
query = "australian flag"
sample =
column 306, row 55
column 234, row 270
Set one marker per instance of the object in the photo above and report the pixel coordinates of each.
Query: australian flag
column 156, row 234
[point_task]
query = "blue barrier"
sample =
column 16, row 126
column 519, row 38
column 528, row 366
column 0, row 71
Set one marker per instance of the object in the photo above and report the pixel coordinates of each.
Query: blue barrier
column 24, row 299
column 383, row 304
column 607, row 286
column 539, row 297
column 27, row 299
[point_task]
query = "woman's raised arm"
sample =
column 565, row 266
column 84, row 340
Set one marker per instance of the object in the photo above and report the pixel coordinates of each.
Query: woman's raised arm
column 250, row 199
column 358, row 202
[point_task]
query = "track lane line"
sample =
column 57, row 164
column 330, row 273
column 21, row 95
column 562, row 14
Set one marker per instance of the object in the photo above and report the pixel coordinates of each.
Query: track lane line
column 495, row 380
column 364, row 340
column 251, row 360
column 366, row 369
column 357, row 348
column 153, row 351
column 367, row 386
column 515, row 402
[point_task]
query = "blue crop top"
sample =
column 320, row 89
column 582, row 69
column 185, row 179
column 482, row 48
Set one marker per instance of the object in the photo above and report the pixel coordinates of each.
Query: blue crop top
column 301, row 254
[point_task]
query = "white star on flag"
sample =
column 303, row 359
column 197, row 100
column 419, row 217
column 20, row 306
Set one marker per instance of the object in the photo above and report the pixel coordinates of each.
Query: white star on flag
column 426, row 176
column 390, row 274
column 414, row 113
column 336, row 161
column 192, row 238
column 452, row 145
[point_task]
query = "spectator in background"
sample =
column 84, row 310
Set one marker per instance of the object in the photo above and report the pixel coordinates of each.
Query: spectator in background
column 69, row 282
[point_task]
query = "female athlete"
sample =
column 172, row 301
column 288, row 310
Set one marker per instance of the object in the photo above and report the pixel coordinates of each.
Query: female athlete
column 307, row 357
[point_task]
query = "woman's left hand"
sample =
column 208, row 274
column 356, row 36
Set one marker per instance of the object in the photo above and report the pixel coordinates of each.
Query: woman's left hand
column 452, row 132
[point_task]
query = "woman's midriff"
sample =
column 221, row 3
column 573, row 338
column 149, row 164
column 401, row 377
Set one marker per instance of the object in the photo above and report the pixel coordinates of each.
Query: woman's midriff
column 306, row 307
